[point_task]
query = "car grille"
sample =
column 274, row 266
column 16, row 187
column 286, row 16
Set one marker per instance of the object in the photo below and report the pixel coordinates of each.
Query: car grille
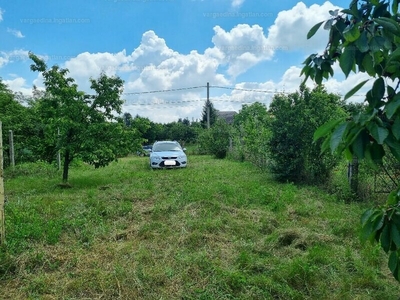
column 176, row 165
column 169, row 157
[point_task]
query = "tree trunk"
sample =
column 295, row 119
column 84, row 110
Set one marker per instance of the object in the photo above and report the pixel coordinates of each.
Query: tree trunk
column 67, row 160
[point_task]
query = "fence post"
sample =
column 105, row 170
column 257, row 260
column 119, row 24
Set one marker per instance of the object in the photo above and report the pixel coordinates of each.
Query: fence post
column 58, row 152
column 12, row 157
column 2, row 221
column 352, row 175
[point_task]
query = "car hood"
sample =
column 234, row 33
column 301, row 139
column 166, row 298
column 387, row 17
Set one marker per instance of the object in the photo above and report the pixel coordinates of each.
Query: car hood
column 168, row 153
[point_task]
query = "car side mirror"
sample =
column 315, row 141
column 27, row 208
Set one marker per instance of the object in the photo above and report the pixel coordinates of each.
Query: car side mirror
column 184, row 149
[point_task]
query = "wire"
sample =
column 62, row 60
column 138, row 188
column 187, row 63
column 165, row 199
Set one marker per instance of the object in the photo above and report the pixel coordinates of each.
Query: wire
column 241, row 89
column 165, row 91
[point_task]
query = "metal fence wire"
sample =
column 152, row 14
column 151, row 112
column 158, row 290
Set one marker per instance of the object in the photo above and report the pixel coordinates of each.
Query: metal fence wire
column 370, row 182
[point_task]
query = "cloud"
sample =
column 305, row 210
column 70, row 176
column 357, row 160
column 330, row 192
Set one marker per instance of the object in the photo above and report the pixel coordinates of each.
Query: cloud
column 242, row 47
column 7, row 57
column 1, row 14
column 290, row 28
column 236, row 3
column 150, row 66
column 18, row 84
column 153, row 65
column 16, row 33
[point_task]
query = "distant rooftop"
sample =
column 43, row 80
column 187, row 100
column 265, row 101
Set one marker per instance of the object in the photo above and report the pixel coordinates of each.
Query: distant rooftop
column 227, row 115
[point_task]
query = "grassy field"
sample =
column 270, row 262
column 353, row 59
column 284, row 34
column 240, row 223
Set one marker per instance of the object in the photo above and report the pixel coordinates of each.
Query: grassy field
column 217, row 230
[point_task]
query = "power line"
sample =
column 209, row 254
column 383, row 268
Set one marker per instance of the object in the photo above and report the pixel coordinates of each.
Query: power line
column 242, row 89
column 165, row 91
column 198, row 87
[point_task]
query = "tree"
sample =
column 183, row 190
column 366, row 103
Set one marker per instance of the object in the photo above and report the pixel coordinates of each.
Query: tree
column 88, row 126
column 295, row 117
column 215, row 140
column 213, row 114
column 252, row 133
column 20, row 119
column 366, row 39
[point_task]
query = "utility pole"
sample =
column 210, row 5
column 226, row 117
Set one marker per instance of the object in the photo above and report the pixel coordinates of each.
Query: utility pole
column 11, row 139
column 58, row 152
column 208, row 105
column 2, row 222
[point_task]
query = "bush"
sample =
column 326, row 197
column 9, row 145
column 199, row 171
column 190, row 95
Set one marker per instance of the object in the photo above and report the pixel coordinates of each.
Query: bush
column 295, row 118
column 215, row 141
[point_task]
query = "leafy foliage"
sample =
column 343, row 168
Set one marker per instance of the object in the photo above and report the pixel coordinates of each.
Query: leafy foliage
column 215, row 140
column 295, row 117
column 252, row 133
column 365, row 38
column 79, row 125
column 18, row 118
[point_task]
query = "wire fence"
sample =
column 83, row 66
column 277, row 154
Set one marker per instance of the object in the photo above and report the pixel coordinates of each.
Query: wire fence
column 370, row 182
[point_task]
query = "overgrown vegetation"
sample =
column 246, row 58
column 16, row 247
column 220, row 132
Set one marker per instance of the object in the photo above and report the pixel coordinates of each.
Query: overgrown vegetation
column 295, row 117
column 365, row 39
column 216, row 140
column 128, row 232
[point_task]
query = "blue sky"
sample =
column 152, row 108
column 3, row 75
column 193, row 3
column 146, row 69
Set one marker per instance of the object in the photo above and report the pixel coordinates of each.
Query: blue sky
column 153, row 45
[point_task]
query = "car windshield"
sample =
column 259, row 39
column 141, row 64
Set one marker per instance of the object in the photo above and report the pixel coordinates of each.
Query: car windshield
column 166, row 147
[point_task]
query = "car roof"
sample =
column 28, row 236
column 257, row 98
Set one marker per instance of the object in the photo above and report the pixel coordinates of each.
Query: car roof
column 166, row 142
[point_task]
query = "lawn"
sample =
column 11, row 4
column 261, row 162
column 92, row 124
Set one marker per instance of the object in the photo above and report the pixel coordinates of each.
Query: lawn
column 218, row 229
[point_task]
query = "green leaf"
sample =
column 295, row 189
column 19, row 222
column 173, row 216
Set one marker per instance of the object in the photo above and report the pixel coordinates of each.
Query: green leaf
column 362, row 42
column 395, row 235
column 393, row 262
column 337, row 136
column 355, row 89
column 377, row 132
column 360, row 143
column 396, row 217
column 392, row 106
column 377, row 153
column 368, row 64
column 378, row 220
column 351, row 33
column 392, row 200
column 328, row 24
column 314, row 29
column 396, row 128
column 394, row 146
column 347, row 11
column 395, row 6
column 385, row 238
column 390, row 91
column 389, row 25
column 326, row 128
column 366, row 216
column 378, row 89
column 346, row 60
column 394, row 55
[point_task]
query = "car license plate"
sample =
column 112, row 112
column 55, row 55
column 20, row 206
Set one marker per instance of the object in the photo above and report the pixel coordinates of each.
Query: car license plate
column 170, row 163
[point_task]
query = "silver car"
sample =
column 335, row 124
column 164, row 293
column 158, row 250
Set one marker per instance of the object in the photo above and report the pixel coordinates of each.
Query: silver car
column 167, row 154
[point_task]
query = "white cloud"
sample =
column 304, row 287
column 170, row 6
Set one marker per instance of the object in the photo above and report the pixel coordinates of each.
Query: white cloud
column 86, row 65
column 153, row 65
column 1, row 14
column 7, row 57
column 236, row 3
column 291, row 26
column 18, row 84
column 242, row 47
column 16, row 33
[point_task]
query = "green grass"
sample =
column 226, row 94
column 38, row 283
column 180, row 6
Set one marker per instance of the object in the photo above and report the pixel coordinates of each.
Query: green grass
column 217, row 230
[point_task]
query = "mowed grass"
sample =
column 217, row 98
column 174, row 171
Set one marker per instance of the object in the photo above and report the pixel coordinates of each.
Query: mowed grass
column 217, row 230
